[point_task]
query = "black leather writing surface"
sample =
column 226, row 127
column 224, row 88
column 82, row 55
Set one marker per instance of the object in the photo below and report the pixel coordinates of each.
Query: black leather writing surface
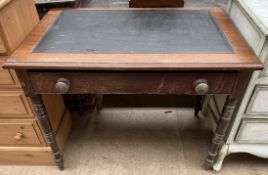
column 134, row 31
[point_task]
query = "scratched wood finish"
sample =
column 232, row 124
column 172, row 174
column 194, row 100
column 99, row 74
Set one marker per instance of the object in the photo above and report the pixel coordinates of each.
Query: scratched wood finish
column 242, row 59
column 169, row 77
column 155, row 3
column 229, row 108
column 132, row 83
column 222, row 127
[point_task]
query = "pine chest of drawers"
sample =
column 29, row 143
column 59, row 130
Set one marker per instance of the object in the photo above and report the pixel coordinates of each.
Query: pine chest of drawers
column 22, row 140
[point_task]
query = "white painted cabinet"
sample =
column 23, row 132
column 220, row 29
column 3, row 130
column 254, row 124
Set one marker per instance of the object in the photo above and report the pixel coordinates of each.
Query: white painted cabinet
column 249, row 130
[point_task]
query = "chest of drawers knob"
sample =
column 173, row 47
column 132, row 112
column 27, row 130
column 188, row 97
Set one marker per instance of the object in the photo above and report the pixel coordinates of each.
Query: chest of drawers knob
column 62, row 85
column 201, row 86
column 18, row 136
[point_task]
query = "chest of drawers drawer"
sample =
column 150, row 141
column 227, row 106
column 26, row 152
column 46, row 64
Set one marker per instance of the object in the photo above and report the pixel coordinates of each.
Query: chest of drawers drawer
column 2, row 46
column 253, row 131
column 8, row 78
column 133, row 82
column 19, row 132
column 14, row 104
column 258, row 104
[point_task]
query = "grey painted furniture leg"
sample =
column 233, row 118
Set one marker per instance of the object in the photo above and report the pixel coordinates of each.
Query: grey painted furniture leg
column 223, row 152
column 50, row 135
column 219, row 135
column 257, row 149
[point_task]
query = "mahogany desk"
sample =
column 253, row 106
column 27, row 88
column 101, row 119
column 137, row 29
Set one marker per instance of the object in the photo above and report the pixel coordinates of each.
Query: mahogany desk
column 135, row 51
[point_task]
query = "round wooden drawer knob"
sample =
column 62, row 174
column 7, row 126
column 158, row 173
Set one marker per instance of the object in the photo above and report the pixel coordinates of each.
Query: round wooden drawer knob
column 201, row 86
column 62, row 85
column 18, row 136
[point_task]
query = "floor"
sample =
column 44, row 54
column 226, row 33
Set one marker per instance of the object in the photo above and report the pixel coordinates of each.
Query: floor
column 141, row 141
column 132, row 140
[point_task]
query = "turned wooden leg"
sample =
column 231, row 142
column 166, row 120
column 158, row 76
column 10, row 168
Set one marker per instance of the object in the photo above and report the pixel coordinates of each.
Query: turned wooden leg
column 46, row 126
column 99, row 99
column 219, row 135
column 198, row 105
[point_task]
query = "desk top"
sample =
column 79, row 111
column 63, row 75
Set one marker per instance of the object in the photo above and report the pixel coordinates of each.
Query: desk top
column 135, row 39
column 134, row 32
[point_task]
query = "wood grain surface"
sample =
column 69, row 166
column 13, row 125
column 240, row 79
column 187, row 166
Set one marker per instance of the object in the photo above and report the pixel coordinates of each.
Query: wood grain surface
column 4, row 3
column 26, row 127
column 26, row 155
column 242, row 59
column 132, row 83
column 17, row 19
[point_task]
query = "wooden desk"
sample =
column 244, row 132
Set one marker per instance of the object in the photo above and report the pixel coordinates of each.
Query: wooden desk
column 138, row 51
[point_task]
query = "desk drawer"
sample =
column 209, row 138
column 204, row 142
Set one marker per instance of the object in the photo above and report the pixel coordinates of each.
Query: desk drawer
column 133, row 82
column 19, row 132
